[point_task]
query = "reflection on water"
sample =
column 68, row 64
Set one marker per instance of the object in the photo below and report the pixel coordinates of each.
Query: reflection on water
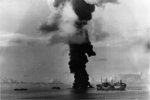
column 70, row 94
column 110, row 95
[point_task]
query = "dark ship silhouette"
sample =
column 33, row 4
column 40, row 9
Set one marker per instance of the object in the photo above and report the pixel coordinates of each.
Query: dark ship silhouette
column 111, row 85
column 20, row 89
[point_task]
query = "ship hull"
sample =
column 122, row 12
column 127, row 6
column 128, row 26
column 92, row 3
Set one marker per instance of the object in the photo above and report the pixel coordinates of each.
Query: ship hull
column 111, row 87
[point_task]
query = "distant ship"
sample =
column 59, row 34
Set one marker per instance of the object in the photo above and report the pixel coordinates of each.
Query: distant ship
column 20, row 89
column 111, row 85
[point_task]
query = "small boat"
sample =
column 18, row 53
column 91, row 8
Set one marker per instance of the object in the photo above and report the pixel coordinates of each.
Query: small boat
column 56, row 88
column 20, row 89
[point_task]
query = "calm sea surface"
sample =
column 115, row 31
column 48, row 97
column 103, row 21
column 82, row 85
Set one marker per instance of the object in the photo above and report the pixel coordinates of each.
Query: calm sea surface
column 69, row 94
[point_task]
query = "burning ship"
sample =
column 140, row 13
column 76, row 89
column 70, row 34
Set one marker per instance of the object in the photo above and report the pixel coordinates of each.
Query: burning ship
column 111, row 85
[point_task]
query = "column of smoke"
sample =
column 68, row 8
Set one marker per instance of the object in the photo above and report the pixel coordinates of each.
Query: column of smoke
column 66, row 24
column 78, row 57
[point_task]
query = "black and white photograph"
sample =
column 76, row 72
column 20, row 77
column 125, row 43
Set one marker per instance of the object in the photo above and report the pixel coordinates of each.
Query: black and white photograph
column 74, row 49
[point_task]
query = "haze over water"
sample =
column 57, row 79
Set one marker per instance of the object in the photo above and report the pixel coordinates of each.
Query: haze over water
column 45, row 92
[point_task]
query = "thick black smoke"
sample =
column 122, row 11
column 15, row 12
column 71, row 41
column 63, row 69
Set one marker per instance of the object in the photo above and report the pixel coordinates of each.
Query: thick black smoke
column 46, row 27
column 74, row 27
column 83, row 9
column 52, row 25
column 78, row 52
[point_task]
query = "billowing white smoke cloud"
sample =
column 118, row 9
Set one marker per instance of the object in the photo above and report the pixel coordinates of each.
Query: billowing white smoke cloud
column 67, row 21
column 60, row 26
column 124, row 25
column 101, row 2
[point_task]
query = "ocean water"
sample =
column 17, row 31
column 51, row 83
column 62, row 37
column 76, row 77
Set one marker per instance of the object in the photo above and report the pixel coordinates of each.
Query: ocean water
column 46, row 93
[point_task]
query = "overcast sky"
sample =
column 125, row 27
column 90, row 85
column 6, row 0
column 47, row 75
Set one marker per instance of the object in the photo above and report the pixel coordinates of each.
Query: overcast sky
column 122, row 47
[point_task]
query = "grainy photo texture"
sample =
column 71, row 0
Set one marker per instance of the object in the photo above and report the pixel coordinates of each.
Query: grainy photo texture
column 74, row 49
